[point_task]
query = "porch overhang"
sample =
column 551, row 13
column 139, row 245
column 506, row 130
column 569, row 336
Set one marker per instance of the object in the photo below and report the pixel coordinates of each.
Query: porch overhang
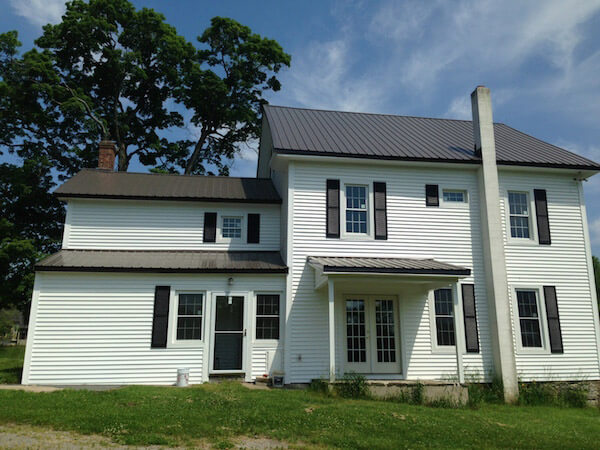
column 403, row 269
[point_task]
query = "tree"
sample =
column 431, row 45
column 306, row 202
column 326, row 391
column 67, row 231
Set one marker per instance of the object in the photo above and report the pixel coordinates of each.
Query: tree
column 108, row 70
column 223, row 88
column 30, row 227
column 596, row 264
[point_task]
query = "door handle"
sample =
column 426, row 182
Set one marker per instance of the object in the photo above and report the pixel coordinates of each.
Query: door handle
column 244, row 332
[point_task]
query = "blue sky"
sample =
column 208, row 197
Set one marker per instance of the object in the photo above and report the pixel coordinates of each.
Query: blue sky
column 540, row 59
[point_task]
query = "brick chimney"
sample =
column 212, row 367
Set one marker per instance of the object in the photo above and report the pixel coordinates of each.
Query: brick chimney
column 106, row 155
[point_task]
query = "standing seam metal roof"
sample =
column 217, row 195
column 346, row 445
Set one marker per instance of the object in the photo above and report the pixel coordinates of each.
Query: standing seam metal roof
column 108, row 184
column 381, row 136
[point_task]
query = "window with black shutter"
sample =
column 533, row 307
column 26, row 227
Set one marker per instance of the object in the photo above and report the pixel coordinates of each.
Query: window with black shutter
column 470, row 317
column 554, row 332
column 160, row 320
column 253, row 228
column 210, row 227
column 333, row 208
column 380, row 192
column 541, row 211
column 432, row 196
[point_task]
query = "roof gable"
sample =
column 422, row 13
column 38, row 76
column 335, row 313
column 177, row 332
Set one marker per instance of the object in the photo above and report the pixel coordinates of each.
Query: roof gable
column 381, row 136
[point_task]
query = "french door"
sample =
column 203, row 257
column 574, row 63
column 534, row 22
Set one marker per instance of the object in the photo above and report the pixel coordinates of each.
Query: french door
column 372, row 344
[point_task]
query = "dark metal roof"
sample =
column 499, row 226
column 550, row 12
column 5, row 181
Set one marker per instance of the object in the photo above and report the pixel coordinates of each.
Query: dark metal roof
column 386, row 265
column 380, row 136
column 127, row 185
column 163, row 261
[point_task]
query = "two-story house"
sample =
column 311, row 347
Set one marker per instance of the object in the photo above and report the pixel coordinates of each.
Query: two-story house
column 396, row 247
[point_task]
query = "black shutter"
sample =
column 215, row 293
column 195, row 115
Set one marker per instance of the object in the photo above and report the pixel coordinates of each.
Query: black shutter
column 556, row 345
column 210, row 227
column 470, row 316
column 541, row 211
column 432, row 197
column 380, row 210
column 253, row 228
column 333, row 208
column 161, row 316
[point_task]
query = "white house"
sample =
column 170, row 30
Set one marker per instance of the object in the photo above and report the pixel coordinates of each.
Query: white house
column 397, row 247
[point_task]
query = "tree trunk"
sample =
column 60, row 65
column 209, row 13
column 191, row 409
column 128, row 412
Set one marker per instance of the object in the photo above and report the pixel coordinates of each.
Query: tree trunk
column 123, row 163
column 195, row 158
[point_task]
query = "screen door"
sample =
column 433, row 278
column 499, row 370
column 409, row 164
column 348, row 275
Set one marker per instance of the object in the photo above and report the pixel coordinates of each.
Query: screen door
column 229, row 333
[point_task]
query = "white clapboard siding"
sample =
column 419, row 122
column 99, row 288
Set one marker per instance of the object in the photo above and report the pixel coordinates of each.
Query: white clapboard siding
column 562, row 264
column 95, row 328
column 448, row 234
column 161, row 225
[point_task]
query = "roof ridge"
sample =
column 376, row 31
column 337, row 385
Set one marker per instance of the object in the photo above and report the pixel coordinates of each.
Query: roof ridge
column 89, row 169
column 371, row 113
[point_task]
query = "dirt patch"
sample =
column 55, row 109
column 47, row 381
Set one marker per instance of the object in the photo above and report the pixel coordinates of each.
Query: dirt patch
column 20, row 387
column 29, row 437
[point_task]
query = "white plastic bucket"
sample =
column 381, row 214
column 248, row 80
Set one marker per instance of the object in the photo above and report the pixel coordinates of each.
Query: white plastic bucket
column 183, row 377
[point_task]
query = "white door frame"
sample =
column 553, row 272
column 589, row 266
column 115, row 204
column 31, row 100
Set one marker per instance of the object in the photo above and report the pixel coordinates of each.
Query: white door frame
column 371, row 366
column 245, row 340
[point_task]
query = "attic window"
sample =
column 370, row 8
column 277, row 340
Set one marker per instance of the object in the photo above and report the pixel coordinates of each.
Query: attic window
column 232, row 227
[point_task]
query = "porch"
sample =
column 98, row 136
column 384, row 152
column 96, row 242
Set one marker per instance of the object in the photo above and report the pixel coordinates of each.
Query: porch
column 376, row 307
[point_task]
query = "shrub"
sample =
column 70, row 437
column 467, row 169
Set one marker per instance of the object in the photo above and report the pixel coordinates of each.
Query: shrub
column 320, row 386
column 352, row 385
column 553, row 394
column 480, row 393
column 418, row 397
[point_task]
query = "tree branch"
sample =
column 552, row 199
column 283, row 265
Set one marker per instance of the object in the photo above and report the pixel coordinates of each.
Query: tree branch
column 89, row 110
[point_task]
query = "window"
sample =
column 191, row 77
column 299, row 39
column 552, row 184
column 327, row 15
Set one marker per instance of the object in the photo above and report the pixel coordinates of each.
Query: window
column 444, row 317
column 529, row 318
column 267, row 317
column 189, row 317
column 454, row 196
column 232, row 227
column 356, row 209
column 519, row 214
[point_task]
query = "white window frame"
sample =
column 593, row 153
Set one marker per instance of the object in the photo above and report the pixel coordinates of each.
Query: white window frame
column 446, row 204
column 541, row 305
column 370, row 225
column 533, row 233
column 221, row 218
column 435, row 348
column 268, row 342
column 173, row 342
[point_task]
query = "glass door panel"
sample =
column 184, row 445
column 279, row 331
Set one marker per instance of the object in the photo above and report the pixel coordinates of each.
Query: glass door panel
column 356, row 335
column 385, row 345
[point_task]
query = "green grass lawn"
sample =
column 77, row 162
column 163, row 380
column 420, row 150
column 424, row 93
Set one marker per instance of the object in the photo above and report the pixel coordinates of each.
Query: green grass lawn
column 219, row 413
column 11, row 364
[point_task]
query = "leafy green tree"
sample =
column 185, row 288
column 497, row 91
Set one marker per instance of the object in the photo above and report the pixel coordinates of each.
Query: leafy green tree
column 596, row 264
column 30, row 227
column 223, row 87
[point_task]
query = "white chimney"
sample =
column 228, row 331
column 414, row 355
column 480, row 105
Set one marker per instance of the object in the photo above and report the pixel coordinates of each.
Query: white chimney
column 493, row 244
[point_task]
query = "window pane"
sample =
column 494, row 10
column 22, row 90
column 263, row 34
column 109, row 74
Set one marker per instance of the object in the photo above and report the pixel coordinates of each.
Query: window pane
column 443, row 302
column 356, row 197
column 518, row 203
column 519, row 227
column 529, row 319
column 267, row 317
column 356, row 221
column 267, row 328
column 355, row 331
column 267, row 305
column 190, row 305
column 454, row 196
column 189, row 328
column 445, row 330
column 232, row 227
column 444, row 317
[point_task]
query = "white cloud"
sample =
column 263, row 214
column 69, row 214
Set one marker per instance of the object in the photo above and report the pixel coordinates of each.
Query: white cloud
column 39, row 12
column 324, row 77
column 460, row 108
column 595, row 231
